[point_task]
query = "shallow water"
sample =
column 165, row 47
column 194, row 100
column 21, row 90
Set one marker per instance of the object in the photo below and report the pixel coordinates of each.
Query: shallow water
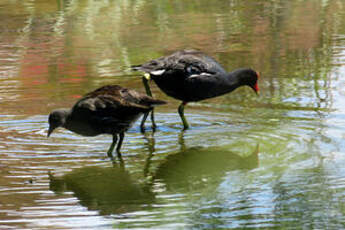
column 270, row 162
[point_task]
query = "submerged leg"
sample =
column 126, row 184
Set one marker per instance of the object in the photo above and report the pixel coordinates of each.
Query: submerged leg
column 153, row 121
column 149, row 93
column 181, row 112
column 111, row 149
column 142, row 124
column 121, row 135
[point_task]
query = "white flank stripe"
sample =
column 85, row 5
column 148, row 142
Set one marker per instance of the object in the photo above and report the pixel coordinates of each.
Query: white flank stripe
column 200, row 74
column 158, row 72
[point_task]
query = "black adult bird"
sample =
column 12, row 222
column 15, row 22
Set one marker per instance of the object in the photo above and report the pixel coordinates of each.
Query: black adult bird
column 110, row 109
column 190, row 75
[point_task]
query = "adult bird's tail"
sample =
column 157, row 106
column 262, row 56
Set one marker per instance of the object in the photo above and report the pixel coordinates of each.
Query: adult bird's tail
column 136, row 67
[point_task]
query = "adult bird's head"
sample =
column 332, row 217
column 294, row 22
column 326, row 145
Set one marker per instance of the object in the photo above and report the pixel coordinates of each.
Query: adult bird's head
column 249, row 77
column 56, row 119
column 255, row 85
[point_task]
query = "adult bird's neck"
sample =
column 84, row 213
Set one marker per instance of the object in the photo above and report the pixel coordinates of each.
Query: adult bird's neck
column 231, row 82
column 237, row 78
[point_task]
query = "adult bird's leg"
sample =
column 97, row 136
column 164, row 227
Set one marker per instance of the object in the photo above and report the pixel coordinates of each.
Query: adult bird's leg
column 111, row 149
column 151, row 147
column 181, row 141
column 146, row 79
column 153, row 121
column 181, row 112
column 121, row 135
column 142, row 124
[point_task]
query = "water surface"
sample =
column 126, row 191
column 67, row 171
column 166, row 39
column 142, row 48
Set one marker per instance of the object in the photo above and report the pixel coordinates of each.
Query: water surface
column 268, row 162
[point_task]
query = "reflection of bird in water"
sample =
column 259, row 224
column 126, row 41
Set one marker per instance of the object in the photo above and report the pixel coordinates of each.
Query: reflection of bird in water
column 197, row 167
column 109, row 190
column 190, row 75
column 110, row 109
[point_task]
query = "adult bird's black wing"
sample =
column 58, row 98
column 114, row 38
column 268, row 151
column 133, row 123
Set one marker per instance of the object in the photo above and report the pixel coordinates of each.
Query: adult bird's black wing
column 186, row 62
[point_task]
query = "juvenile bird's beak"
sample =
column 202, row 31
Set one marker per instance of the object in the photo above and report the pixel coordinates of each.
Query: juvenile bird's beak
column 50, row 130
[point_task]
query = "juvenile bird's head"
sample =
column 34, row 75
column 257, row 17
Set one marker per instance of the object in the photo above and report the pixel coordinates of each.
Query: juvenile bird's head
column 57, row 118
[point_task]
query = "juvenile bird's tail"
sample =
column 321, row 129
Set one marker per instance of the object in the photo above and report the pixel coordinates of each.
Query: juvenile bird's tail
column 151, row 102
column 158, row 102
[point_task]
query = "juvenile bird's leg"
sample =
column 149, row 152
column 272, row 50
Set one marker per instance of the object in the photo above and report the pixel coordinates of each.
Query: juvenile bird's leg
column 111, row 149
column 146, row 79
column 181, row 112
column 121, row 135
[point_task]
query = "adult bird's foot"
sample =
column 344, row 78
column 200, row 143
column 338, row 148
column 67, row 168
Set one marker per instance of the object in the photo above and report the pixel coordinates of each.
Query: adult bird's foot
column 110, row 155
column 185, row 127
column 119, row 155
column 154, row 126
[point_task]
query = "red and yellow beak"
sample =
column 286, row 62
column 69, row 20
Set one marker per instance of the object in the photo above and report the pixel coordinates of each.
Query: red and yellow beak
column 256, row 86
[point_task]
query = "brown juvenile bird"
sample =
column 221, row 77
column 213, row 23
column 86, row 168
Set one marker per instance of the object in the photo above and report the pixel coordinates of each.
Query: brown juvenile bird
column 190, row 75
column 110, row 109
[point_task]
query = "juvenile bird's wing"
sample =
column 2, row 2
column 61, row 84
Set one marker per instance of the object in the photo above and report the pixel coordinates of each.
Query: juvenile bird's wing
column 139, row 99
column 114, row 101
